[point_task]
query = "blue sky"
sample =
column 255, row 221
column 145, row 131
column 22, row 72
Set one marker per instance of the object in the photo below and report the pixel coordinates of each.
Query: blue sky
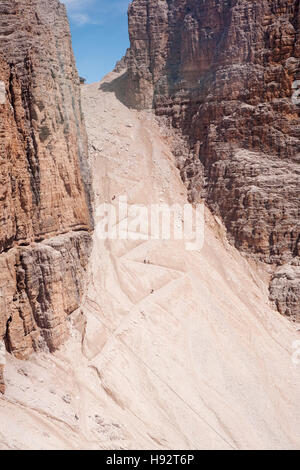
column 100, row 35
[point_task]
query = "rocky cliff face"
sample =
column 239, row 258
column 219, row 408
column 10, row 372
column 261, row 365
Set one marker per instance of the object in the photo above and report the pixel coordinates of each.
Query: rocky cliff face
column 45, row 198
column 226, row 75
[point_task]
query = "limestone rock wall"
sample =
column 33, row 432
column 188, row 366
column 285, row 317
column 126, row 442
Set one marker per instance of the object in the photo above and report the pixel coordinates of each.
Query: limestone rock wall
column 45, row 190
column 226, row 75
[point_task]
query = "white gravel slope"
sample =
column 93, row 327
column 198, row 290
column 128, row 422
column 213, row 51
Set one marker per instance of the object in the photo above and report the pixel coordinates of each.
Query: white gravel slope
column 183, row 352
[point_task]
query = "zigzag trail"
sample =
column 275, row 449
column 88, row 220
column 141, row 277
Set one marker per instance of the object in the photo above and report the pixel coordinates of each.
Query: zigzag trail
column 182, row 352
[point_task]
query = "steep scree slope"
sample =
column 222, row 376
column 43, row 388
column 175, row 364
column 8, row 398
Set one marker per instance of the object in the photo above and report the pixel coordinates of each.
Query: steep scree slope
column 225, row 74
column 181, row 352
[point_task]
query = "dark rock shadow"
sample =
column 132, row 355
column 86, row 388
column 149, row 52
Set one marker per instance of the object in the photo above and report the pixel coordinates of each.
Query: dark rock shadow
column 117, row 86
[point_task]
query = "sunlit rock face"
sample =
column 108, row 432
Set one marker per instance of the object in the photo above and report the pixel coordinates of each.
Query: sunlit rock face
column 226, row 74
column 45, row 201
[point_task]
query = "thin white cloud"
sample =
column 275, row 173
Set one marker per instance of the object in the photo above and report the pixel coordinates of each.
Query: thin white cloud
column 82, row 12
column 78, row 11
column 80, row 18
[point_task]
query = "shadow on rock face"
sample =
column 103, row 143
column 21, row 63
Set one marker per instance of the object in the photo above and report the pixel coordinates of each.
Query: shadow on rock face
column 117, row 86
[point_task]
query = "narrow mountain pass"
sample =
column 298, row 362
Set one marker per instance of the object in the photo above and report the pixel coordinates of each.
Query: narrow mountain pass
column 171, row 349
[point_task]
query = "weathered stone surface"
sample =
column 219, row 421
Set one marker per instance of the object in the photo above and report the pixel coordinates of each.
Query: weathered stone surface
column 41, row 285
column 285, row 289
column 226, row 74
column 121, row 65
column 44, row 176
